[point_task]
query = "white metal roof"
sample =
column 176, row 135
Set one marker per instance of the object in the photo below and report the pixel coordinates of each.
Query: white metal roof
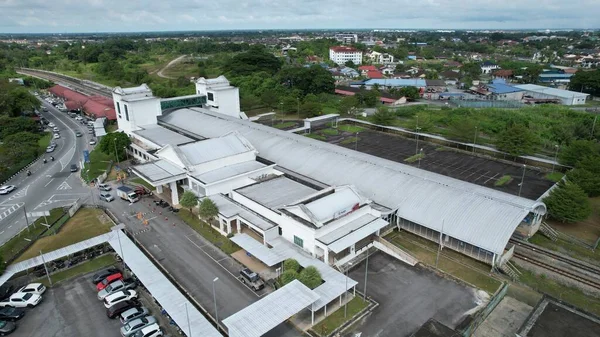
column 158, row 170
column 326, row 207
column 162, row 136
column 336, row 234
column 474, row 214
column 211, row 149
column 357, row 235
column 262, row 316
column 229, row 171
column 229, row 208
column 551, row 91
column 276, row 192
column 335, row 283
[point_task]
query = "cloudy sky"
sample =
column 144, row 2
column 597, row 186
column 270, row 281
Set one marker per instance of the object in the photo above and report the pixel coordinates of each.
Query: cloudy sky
column 60, row 16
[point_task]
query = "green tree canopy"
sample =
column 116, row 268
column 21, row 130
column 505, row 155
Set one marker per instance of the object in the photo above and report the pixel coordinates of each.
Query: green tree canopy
column 310, row 109
column 462, row 129
column 312, row 80
column 347, row 105
column 16, row 100
column 288, row 276
column 383, row 116
column 115, row 141
column 568, row 203
column 471, row 70
column 411, row 93
column 516, row 140
column 577, row 150
column 257, row 59
column 13, row 125
column 188, row 200
column 586, row 81
column 310, row 277
column 291, row 264
column 207, row 209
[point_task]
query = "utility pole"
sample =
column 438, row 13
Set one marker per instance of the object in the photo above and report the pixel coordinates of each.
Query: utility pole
column 475, row 140
column 298, row 101
column 437, row 257
column 26, row 219
column 366, row 275
column 356, row 142
column 555, row 156
column 522, row 179
column 594, row 125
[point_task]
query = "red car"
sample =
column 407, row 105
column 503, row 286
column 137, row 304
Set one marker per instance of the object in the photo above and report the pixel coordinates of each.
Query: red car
column 108, row 280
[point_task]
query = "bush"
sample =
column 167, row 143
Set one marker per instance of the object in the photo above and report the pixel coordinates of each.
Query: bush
column 310, row 277
column 291, row 264
column 288, row 276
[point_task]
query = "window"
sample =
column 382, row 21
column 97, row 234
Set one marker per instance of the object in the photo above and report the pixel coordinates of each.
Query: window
column 211, row 97
column 119, row 109
column 126, row 112
column 298, row 241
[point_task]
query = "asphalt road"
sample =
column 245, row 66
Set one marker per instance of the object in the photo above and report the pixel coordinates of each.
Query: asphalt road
column 50, row 185
column 68, row 310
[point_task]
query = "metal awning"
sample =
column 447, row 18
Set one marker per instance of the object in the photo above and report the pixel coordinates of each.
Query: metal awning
column 159, row 172
column 262, row 316
column 270, row 257
column 344, row 238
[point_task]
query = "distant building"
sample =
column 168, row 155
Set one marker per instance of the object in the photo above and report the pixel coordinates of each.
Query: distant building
column 346, row 38
column 503, row 74
column 374, row 74
column 565, row 96
column 341, row 55
column 380, row 58
column 365, row 69
column 555, row 78
column 488, row 66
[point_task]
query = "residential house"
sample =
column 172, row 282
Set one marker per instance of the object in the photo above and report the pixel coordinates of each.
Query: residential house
column 380, row 58
column 452, row 64
column 387, row 70
column 590, row 63
column 374, row 74
column 349, row 72
column 503, row 73
column 488, row 67
column 365, row 69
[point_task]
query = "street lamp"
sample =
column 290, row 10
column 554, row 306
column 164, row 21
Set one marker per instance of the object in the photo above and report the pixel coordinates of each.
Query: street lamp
column 475, row 140
column 298, row 101
column 215, row 300
column 346, row 291
column 417, row 138
column 555, row 156
column 420, row 155
column 366, row 274
column 522, row 178
column 356, row 142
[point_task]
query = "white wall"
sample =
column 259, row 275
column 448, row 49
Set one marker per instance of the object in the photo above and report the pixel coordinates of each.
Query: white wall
column 222, row 162
column 226, row 186
column 290, row 228
column 141, row 112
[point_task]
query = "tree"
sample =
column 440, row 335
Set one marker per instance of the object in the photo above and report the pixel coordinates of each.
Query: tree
column 568, row 203
column 588, row 181
column 383, row 116
column 310, row 109
column 462, row 129
column 13, row 125
column 310, row 277
column 586, row 81
column 257, row 59
column 115, row 141
column 288, row 276
column 312, row 80
column 291, row 264
column 269, row 98
column 411, row 93
column 471, row 70
column 347, row 105
column 350, row 64
column 516, row 140
column 578, row 149
column 188, row 200
column 207, row 209
column 2, row 265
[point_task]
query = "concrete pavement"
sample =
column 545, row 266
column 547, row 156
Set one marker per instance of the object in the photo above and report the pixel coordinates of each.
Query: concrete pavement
column 50, row 185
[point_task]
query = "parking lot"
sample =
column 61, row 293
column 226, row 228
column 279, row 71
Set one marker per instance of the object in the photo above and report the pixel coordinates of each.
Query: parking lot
column 69, row 309
column 408, row 297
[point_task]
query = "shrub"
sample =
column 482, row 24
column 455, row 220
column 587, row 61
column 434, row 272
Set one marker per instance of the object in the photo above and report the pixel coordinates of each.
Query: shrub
column 291, row 264
column 288, row 276
column 310, row 277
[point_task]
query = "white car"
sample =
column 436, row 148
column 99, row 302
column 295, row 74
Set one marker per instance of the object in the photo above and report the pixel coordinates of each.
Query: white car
column 93, row 142
column 7, row 189
column 55, row 129
column 51, row 124
column 150, row 331
column 119, row 296
column 33, row 288
column 56, row 136
column 78, row 118
column 21, row 300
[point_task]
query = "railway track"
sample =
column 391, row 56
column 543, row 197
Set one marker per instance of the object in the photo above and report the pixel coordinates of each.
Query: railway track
column 591, row 277
column 76, row 84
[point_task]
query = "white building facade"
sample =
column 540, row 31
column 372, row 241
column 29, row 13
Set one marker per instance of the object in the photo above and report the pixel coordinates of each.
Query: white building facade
column 341, row 54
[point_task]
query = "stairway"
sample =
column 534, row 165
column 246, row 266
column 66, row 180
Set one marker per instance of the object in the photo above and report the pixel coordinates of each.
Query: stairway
column 548, row 231
column 510, row 270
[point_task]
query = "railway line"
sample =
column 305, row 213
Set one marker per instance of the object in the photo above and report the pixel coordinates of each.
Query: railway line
column 579, row 271
column 73, row 83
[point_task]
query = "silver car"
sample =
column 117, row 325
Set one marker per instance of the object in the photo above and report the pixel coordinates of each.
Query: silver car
column 136, row 325
column 106, row 197
column 113, row 288
column 133, row 313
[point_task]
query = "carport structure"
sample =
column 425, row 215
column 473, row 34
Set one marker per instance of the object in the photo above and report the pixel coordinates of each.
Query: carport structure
column 335, row 284
column 161, row 172
column 262, row 316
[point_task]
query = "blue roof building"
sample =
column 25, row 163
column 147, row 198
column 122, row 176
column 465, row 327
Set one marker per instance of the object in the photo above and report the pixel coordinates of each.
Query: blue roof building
column 397, row 83
column 502, row 88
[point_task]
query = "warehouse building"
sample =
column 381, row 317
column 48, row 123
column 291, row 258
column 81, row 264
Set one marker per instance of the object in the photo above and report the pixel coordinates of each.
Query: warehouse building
column 566, row 97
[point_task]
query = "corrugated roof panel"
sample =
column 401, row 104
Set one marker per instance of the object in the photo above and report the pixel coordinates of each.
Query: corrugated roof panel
column 229, row 171
column 475, row 214
column 162, row 136
column 276, row 192
column 212, row 149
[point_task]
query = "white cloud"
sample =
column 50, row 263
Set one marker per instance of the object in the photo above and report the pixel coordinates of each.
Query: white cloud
column 119, row 15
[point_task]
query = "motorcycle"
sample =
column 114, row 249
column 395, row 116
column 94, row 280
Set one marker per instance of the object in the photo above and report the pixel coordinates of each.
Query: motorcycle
column 52, row 158
column 28, row 173
column 173, row 209
column 45, row 161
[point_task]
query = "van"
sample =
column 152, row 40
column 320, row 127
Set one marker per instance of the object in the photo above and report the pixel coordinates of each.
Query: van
column 90, row 124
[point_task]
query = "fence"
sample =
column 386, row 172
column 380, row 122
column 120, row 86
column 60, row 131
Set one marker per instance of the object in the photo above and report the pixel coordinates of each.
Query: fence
column 483, row 314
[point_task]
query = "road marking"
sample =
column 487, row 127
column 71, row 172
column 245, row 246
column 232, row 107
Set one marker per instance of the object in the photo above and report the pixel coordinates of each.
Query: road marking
column 11, row 210
column 10, row 226
column 64, row 186
column 49, row 182
column 1, row 232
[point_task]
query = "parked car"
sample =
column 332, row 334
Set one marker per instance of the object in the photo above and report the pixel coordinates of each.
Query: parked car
column 101, row 275
column 78, row 118
column 51, row 124
column 108, row 280
column 149, row 331
column 106, row 197
column 7, row 327
column 11, row 314
column 133, row 313
column 7, row 189
column 55, row 129
column 73, row 167
column 93, row 142
column 123, row 295
column 56, row 136
column 21, row 300
column 78, row 134
column 252, row 279
column 104, row 187
column 34, row 288
column 115, row 287
column 50, row 149
column 121, row 307
column 137, row 324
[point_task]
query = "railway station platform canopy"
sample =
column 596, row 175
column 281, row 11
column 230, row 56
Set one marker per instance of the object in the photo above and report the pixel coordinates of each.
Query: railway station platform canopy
column 473, row 214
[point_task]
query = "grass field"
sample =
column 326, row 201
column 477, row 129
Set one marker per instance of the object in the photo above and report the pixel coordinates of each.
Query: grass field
column 568, row 248
column 350, row 128
column 451, row 262
column 350, row 140
column 208, row 232
column 503, row 180
column 337, row 319
column 414, row 158
column 330, row 132
column 99, row 162
column 284, row 125
column 83, row 268
column 554, row 176
column 316, row 136
column 85, row 224
column 12, row 247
